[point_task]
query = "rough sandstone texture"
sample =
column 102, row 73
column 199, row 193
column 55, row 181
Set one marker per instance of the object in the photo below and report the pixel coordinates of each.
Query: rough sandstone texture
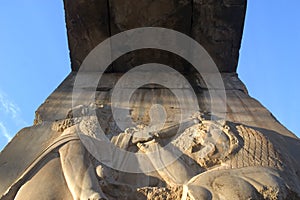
column 250, row 155
column 215, row 24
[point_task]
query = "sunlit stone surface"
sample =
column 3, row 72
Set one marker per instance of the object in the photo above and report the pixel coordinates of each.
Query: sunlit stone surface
column 246, row 155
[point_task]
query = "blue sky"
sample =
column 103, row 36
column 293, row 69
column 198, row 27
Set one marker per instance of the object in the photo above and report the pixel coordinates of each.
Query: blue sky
column 35, row 58
column 269, row 61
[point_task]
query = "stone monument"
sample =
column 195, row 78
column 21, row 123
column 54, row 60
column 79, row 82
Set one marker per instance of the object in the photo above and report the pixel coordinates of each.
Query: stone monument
column 153, row 109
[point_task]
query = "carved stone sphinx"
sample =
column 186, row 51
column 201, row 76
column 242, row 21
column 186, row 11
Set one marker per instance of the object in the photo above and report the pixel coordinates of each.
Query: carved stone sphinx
column 214, row 158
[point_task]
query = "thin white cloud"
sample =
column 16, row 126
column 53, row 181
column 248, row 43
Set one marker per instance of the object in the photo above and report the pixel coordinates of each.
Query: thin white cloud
column 11, row 109
column 4, row 132
column 8, row 106
column 10, row 117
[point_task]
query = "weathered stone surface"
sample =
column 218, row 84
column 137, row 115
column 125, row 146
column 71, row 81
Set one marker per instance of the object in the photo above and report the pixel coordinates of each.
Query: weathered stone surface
column 253, row 143
column 216, row 24
column 247, row 154
column 87, row 25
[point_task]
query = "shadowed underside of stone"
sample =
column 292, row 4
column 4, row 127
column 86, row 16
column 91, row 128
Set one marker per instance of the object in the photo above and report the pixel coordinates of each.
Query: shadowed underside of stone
column 247, row 154
column 215, row 24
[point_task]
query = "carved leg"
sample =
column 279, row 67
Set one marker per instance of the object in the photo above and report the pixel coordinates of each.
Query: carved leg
column 79, row 172
column 175, row 172
column 47, row 183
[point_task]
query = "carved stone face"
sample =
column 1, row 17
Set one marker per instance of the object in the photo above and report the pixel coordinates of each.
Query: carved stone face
column 211, row 143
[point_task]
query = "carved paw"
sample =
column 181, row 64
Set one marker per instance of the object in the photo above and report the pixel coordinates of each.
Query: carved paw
column 245, row 183
column 147, row 146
